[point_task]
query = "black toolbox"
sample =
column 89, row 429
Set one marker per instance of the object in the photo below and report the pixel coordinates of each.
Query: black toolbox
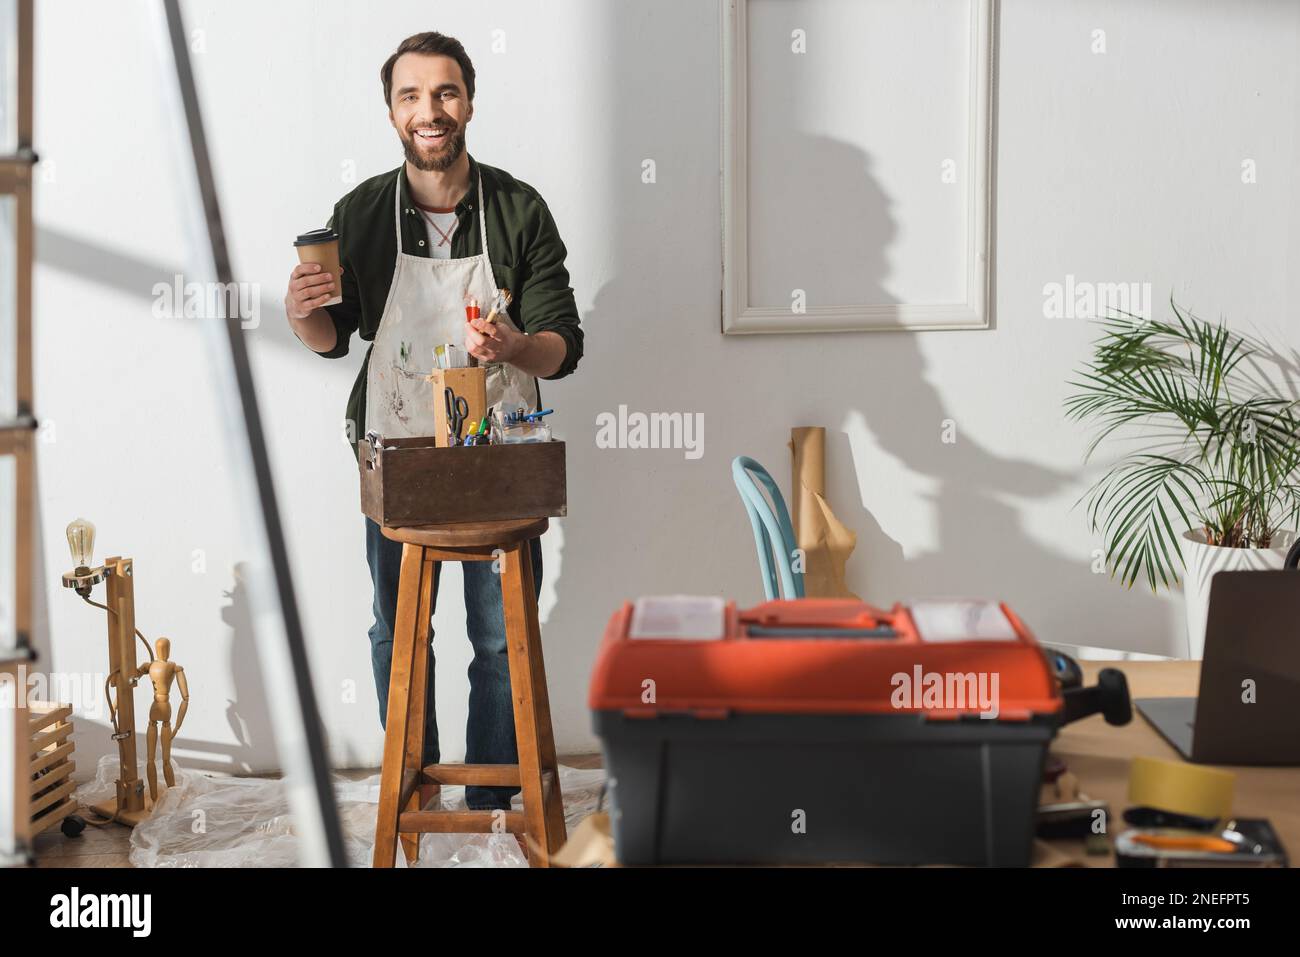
column 816, row 731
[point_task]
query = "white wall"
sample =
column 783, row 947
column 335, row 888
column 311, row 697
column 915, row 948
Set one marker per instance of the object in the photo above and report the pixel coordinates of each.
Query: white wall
column 1115, row 167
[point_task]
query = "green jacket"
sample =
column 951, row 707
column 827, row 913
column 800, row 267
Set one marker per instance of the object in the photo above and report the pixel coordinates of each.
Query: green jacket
column 527, row 258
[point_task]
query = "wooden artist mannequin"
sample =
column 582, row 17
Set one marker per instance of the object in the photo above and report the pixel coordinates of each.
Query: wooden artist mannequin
column 162, row 673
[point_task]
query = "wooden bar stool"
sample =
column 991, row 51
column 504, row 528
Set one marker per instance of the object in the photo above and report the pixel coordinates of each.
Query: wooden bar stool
column 405, row 787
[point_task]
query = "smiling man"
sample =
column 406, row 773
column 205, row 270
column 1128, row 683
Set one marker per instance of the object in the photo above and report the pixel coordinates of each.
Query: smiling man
column 415, row 245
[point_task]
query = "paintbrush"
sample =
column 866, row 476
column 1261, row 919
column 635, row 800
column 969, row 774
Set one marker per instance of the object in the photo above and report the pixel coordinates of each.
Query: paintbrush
column 499, row 304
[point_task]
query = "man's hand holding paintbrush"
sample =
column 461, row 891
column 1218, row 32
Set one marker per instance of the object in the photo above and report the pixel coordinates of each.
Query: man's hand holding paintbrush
column 490, row 340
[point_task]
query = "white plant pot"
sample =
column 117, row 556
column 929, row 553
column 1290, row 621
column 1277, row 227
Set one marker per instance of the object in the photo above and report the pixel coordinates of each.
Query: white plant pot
column 1204, row 561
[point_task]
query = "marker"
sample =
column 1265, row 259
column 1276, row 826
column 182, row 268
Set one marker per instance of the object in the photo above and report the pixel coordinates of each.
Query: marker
column 534, row 416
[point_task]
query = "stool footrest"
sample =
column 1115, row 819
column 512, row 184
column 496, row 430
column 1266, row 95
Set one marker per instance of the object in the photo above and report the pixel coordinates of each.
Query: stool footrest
column 459, row 822
column 482, row 775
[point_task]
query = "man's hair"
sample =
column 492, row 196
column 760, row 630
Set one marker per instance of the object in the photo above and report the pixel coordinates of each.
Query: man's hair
column 431, row 43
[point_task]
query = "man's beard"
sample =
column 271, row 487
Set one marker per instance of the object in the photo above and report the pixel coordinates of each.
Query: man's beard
column 441, row 161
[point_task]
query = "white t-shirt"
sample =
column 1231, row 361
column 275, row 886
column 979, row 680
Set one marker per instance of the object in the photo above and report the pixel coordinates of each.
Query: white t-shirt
column 441, row 227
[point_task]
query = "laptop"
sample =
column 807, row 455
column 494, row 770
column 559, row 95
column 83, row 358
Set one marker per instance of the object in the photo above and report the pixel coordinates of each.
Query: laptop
column 1252, row 649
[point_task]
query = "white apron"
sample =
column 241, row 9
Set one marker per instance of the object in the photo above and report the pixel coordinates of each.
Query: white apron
column 426, row 307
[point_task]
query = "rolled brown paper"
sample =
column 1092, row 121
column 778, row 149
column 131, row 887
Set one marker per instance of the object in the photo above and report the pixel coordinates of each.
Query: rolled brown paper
column 808, row 476
column 322, row 246
column 824, row 539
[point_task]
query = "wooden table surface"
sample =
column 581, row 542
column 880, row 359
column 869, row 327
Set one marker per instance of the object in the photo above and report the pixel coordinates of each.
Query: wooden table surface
column 1098, row 755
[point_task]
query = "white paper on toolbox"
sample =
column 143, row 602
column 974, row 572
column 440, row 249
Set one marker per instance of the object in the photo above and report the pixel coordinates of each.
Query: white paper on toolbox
column 695, row 617
column 961, row 620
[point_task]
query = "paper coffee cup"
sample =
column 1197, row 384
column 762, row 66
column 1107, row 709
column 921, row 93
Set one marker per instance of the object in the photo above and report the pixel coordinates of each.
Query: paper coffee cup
column 322, row 246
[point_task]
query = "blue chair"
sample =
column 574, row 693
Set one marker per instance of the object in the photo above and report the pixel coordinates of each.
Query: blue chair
column 771, row 523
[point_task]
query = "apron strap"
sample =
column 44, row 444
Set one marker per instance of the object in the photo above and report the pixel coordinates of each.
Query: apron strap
column 482, row 220
column 397, row 213
column 397, row 207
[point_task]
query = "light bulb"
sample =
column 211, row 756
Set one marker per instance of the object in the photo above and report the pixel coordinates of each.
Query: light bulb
column 81, row 541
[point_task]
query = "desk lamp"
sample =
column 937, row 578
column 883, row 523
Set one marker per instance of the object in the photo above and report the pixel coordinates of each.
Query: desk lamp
column 131, row 804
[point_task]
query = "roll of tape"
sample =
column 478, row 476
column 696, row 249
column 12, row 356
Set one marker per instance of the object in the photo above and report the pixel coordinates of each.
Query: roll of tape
column 1181, row 788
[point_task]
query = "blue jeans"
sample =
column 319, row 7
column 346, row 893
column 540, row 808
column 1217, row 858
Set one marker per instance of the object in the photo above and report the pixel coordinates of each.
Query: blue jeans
column 490, row 730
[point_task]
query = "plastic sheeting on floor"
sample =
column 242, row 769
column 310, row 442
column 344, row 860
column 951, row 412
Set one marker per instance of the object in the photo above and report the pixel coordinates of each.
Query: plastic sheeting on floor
column 214, row 821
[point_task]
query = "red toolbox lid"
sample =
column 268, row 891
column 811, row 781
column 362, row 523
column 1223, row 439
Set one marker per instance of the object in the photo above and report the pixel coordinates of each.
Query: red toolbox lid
column 702, row 656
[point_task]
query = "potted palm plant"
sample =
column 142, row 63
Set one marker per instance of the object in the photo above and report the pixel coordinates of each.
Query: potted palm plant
column 1208, row 478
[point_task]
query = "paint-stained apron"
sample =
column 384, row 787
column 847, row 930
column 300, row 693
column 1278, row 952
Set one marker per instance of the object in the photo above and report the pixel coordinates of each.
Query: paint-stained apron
column 426, row 307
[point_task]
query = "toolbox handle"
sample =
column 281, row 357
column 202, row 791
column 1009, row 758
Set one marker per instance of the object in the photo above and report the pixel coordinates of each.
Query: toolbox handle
column 1109, row 696
column 830, row 613
column 765, row 631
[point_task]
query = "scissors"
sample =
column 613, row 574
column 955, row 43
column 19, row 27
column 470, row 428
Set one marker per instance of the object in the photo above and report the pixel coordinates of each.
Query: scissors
column 457, row 413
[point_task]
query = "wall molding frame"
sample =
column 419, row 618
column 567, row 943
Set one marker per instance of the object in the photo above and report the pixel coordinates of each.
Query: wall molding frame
column 975, row 312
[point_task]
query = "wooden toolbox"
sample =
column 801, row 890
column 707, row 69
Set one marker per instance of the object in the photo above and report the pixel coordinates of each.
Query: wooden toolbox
column 413, row 482
column 49, row 729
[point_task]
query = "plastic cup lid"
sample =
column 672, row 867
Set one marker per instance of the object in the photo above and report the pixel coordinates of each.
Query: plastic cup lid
column 316, row 236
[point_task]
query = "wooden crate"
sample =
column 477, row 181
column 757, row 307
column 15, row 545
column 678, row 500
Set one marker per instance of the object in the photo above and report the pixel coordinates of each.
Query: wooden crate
column 49, row 728
column 412, row 482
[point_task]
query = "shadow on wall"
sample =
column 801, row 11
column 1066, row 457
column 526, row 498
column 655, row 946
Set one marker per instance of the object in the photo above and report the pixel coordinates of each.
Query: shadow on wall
column 111, row 268
column 249, row 712
column 878, row 387
column 817, row 201
column 876, row 394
